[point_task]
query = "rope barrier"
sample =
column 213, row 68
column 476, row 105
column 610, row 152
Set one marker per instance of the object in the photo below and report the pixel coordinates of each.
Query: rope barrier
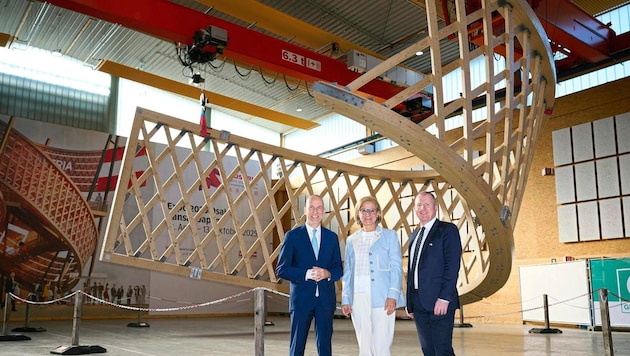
column 536, row 308
column 134, row 308
column 238, row 295
column 621, row 299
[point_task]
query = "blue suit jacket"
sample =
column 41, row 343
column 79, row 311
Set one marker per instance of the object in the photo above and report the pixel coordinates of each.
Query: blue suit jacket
column 438, row 267
column 297, row 256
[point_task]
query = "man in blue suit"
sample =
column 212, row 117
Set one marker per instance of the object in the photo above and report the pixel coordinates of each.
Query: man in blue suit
column 311, row 260
column 435, row 252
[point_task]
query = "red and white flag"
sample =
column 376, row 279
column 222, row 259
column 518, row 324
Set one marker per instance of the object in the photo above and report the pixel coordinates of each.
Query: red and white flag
column 203, row 123
column 114, row 159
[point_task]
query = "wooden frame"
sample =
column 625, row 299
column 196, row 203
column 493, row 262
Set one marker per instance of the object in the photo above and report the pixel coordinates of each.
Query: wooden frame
column 485, row 190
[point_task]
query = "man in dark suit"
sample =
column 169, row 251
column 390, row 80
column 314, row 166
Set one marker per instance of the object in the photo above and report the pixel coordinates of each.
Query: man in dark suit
column 312, row 266
column 435, row 252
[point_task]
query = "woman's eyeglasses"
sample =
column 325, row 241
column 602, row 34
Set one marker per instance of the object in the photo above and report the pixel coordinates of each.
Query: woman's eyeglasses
column 368, row 211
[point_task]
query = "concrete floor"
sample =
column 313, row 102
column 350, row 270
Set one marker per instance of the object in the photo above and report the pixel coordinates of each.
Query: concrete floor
column 234, row 336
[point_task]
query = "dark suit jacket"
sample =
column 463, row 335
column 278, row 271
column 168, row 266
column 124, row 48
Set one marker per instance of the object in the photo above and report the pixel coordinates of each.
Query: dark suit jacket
column 9, row 285
column 296, row 257
column 438, row 267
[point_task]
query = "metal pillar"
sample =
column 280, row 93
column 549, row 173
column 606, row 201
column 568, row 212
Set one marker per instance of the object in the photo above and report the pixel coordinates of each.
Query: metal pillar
column 259, row 321
column 75, row 348
column 26, row 328
column 5, row 336
column 606, row 331
column 461, row 323
column 546, row 329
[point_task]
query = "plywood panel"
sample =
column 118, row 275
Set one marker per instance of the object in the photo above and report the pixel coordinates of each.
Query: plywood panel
column 585, row 188
column 624, row 173
column 622, row 123
column 607, row 177
column 588, row 221
column 565, row 187
column 562, row 147
column 582, row 137
column 626, row 215
column 610, row 215
column 567, row 223
column 604, row 133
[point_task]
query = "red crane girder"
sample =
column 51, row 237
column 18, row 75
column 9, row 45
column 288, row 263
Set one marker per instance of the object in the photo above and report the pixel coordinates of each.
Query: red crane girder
column 584, row 40
column 568, row 26
column 173, row 22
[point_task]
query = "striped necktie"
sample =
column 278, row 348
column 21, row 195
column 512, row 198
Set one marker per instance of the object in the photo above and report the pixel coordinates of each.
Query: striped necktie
column 416, row 258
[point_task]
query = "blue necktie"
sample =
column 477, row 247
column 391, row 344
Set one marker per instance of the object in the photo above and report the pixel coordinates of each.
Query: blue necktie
column 314, row 243
column 316, row 251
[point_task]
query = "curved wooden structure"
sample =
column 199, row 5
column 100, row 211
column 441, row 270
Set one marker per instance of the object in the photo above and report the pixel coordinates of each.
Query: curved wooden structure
column 486, row 187
column 58, row 232
column 3, row 214
column 240, row 210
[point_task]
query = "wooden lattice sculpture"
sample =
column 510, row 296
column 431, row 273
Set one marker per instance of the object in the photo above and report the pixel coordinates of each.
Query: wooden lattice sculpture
column 226, row 185
column 486, row 189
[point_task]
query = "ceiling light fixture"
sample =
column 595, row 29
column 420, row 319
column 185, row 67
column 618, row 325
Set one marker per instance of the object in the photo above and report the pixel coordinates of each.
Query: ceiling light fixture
column 419, row 53
column 57, row 52
column 299, row 109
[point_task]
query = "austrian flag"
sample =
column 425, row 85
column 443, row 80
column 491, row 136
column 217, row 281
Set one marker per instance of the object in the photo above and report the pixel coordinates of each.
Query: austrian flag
column 203, row 123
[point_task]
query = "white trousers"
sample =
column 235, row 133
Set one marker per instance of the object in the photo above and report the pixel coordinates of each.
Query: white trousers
column 373, row 327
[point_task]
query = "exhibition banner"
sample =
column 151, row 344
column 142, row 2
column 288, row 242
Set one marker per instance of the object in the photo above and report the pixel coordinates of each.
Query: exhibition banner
column 614, row 275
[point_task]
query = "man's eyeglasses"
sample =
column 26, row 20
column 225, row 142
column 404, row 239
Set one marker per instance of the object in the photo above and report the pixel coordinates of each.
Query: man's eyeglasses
column 368, row 211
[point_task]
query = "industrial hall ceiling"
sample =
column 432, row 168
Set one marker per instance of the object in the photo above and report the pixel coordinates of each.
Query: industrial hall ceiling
column 257, row 59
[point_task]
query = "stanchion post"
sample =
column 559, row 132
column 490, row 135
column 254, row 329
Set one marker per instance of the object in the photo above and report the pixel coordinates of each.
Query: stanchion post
column 461, row 323
column 546, row 310
column 139, row 323
column 5, row 319
column 606, row 332
column 27, row 320
column 5, row 336
column 75, row 348
column 259, row 321
column 546, row 329
column 27, row 317
column 76, row 319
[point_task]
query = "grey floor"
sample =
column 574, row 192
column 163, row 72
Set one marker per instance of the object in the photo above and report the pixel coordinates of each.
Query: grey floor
column 234, row 336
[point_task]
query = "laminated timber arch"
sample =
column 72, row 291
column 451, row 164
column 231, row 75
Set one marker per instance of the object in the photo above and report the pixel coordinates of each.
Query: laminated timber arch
column 490, row 185
column 218, row 209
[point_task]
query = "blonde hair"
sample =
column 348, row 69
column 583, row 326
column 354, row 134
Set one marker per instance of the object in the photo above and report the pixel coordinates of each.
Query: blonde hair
column 357, row 209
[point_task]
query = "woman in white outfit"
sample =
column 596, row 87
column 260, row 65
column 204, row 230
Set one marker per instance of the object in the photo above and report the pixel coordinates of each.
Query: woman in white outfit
column 372, row 280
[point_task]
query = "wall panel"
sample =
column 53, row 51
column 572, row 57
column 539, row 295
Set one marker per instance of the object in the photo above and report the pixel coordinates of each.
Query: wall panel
column 599, row 173
column 610, row 217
